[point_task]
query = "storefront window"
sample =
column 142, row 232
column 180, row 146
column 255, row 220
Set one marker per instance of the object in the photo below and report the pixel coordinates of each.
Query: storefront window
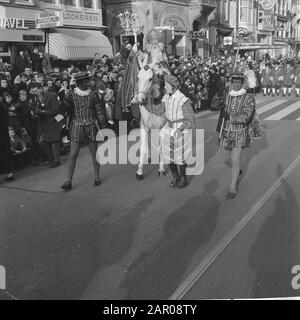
column 246, row 11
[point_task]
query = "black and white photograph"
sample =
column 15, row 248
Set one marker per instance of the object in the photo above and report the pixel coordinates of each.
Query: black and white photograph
column 149, row 151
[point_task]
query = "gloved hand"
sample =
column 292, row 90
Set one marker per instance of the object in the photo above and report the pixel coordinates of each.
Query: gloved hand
column 226, row 115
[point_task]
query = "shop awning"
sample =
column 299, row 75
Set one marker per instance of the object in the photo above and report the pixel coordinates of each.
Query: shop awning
column 74, row 44
column 224, row 30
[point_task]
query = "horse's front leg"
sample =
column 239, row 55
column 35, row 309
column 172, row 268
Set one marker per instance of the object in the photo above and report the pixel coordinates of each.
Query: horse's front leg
column 143, row 152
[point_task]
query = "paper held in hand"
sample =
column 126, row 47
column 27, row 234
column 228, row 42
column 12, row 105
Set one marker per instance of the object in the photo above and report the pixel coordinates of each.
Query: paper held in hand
column 59, row 117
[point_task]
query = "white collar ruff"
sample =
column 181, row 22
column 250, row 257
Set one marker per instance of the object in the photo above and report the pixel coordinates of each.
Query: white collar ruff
column 234, row 93
column 82, row 93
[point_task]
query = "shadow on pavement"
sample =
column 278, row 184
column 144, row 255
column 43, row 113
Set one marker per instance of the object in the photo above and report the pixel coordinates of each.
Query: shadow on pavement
column 157, row 274
column 55, row 255
column 255, row 148
column 276, row 249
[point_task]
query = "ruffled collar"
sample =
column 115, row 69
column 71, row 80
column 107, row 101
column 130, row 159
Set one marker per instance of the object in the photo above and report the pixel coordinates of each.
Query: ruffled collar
column 234, row 93
column 82, row 93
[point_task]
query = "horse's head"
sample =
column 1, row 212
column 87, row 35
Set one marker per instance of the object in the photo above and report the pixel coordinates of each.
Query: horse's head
column 147, row 86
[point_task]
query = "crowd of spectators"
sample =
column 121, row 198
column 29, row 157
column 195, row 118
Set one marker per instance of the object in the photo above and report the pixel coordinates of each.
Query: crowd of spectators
column 24, row 92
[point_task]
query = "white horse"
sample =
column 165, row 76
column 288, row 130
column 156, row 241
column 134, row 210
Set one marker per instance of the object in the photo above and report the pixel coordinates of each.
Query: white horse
column 148, row 89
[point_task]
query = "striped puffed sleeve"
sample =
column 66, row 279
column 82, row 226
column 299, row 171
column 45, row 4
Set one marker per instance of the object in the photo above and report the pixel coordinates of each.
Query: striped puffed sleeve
column 246, row 113
column 188, row 115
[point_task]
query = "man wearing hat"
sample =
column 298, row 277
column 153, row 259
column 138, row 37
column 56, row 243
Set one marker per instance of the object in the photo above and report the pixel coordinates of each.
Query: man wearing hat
column 233, row 128
column 297, row 79
column 176, row 136
column 288, row 79
column 83, row 110
column 267, row 79
column 278, row 78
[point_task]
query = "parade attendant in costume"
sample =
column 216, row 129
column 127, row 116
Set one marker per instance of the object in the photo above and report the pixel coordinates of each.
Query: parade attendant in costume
column 176, row 139
column 278, row 78
column 297, row 79
column 267, row 78
column 288, row 79
column 83, row 108
column 234, row 129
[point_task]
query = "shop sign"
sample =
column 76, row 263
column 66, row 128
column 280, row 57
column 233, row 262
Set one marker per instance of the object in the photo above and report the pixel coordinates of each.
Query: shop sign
column 82, row 19
column 48, row 20
column 267, row 5
column 242, row 31
column 12, row 23
column 32, row 38
column 174, row 21
column 228, row 41
column 201, row 34
column 181, row 33
column 267, row 20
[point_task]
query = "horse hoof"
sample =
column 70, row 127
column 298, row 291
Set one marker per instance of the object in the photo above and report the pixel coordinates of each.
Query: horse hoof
column 139, row 177
column 162, row 173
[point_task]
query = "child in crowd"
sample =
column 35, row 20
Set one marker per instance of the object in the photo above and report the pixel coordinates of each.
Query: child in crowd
column 17, row 145
column 109, row 98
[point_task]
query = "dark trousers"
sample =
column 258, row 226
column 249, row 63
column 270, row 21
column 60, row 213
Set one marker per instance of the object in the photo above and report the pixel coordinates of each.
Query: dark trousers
column 6, row 162
column 52, row 150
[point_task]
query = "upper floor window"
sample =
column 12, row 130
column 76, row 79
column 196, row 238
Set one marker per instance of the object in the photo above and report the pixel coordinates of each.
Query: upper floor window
column 246, row 11
column 226, row 10
column 71, row 3
column 25, row 2
column 87, row 4
column 49, row 1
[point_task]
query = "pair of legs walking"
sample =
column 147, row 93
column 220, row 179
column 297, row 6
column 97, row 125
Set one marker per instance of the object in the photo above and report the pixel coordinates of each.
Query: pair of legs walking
column 179, row 175
column 52, row 150
column 233, row 160
column 74, row 152
column 287, row 90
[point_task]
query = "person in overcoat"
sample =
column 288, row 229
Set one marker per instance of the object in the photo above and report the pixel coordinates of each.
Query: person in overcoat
column 5, row 152
column 49, row 129
column 37, row 59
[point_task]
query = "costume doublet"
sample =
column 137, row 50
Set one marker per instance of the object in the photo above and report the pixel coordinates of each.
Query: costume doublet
column 84, row 112
column 178, row 110
column 236, row 133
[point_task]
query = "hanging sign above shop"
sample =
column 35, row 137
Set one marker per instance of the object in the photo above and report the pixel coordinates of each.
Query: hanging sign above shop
column 12, row 23
column 228, row 41
column 242, row 31
column 267, row 5
column 174, row 21
column 48, row 20
column 201, row 34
